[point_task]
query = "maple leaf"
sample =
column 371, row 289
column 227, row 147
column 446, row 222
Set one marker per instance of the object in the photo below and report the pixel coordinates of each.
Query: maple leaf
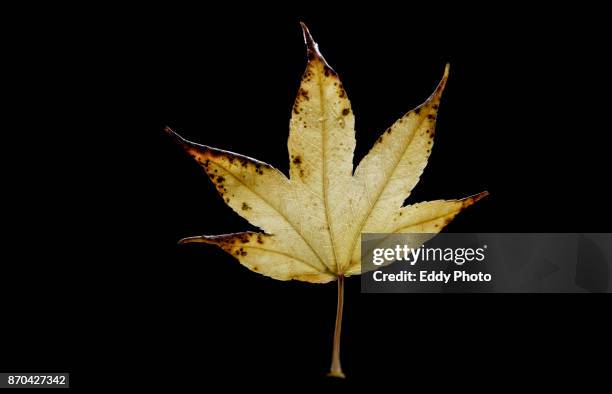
column 312, row 220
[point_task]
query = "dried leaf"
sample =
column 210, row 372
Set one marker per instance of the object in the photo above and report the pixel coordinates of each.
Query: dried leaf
column 313, row 219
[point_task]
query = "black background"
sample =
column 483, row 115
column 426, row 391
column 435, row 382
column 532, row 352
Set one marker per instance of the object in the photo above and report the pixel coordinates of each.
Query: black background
column 94, row 283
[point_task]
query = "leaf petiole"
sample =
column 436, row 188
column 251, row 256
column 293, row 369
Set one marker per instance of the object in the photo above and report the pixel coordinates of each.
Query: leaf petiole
column 336, row 369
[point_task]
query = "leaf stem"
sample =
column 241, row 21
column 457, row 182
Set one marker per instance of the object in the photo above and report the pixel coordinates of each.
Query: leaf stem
column 336, row 369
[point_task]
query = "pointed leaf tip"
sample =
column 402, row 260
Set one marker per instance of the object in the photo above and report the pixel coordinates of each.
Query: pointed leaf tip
column 481, row 195
column 311, row 45
column 475, row 198
column 174, row 135
column 190, row 240
column 178, row 139
column 312, row 48
column 442, row 83
column 168, row 130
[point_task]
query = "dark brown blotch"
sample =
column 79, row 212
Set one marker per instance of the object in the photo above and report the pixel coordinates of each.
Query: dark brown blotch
column 346, row 111
column 297, row 160
column 328, row 71
column 245, row 206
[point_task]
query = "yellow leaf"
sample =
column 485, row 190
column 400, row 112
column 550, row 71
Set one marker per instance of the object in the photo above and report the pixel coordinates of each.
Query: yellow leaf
column 312, row 220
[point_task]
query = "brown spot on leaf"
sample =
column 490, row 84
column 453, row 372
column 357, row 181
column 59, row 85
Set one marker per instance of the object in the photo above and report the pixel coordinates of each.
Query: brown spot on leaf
column 297, row 160
column 346, row 111
column 245, row 206
column 259, row 239
column 328, row 71
column 303, row 93
column 431, row 116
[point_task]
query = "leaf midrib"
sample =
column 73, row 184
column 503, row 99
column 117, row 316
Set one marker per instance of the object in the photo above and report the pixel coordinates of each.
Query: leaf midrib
column 324, row 170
